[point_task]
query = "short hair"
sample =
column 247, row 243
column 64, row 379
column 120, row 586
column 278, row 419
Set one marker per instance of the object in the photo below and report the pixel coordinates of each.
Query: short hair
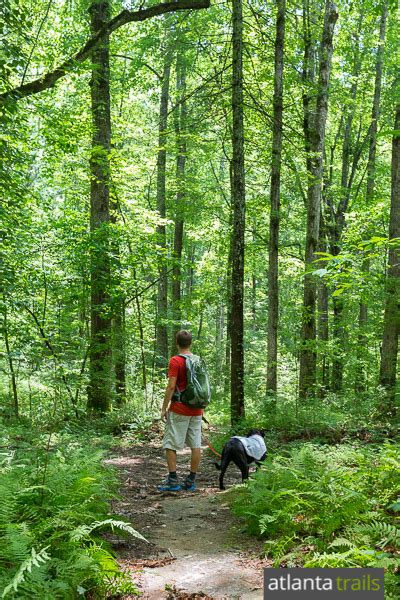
column 184, row 338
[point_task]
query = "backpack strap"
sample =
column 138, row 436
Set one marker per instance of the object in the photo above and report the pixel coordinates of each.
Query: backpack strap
column 178, row 392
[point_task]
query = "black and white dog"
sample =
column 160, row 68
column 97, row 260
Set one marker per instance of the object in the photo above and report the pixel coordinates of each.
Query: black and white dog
column 242, row 451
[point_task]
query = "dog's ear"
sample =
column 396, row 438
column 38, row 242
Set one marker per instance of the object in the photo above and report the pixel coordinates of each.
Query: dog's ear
column 255, row 432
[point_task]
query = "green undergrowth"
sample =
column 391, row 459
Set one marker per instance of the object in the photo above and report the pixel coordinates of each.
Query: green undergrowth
column 327, row 506
column 55, row 492
column 332, row 419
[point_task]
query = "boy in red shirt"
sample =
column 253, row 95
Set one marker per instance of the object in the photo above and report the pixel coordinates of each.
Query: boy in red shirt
column 183, row 423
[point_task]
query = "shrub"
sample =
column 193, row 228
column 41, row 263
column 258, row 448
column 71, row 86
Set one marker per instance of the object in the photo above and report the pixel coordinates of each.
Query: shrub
column 327, row 506
column 53, row 506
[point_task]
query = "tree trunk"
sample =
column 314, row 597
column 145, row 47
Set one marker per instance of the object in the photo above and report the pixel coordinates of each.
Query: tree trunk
column 326, row 228
column 118, row 326
column 391, row 328
column 219, row 331
column 141, row 338
column 360, row 381
column 338, row 216
column 308, row 357
column 118, row 320
column 323, row 316
column 180, row 128
column 228, row 290
column 238, row 199
column 338, row 334
column 190, row 272
column 227, row 378
column 100, row 372
column 162, row 301
column 275, row 194
column 10, row 361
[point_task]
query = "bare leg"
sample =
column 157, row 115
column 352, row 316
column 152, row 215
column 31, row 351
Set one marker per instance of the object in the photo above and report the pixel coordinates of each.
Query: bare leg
column 195, row 460
column 171, row 460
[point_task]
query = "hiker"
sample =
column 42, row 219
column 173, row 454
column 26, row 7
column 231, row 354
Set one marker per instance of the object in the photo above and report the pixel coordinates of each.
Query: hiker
column 183, row 422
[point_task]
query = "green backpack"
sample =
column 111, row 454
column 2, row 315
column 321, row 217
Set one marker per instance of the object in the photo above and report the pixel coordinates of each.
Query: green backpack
column 197, row 393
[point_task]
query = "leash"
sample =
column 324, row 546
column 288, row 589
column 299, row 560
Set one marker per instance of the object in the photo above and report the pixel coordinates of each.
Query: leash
column 207, row 441
column 211, row 448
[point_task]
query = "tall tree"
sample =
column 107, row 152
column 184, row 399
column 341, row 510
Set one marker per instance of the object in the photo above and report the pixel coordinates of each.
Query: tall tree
column 100, row 383
column 370, row 188
column 118, row 315
column 337, row 215
column 316, row 144
column 5, row 331
column 323, row 315
column 180, row 130
column 391, row 328
column 162, row 297
column 239, row 204
column 228, row 289
column 275, row 196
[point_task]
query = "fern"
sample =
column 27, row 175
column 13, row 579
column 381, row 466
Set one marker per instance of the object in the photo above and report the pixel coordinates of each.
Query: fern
column 383, row 534
column 84, row 531
column 342, row 542
column 325, row 507
column 35, row 560
column 61, row 516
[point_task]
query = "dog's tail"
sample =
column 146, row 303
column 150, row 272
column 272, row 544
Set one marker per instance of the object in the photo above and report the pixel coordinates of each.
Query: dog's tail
column 217, row 466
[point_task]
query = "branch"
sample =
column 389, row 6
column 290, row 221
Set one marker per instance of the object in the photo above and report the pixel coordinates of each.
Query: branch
column 81, row 372
column 197, row 88
column 144, row 64
column 144, row 290
column 43, row 21
column 126, row 16
column 53, row 352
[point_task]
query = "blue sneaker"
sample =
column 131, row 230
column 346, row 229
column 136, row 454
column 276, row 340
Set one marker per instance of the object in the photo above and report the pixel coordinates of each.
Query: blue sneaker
column 170, row 485
column 189, row 485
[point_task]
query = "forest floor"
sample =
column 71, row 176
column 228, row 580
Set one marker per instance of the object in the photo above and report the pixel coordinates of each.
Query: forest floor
column 196, row 548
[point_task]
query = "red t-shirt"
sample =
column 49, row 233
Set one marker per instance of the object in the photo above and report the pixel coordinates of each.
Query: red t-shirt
column 177, row 368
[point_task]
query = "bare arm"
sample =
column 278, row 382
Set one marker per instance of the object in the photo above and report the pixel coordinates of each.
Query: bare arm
column 167, row 397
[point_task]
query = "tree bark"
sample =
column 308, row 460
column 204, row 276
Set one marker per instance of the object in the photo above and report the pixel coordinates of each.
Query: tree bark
column 338, row 216
column 10, row 361
column 360, row 381
column 219, row 331
column 162, row 309
column 239, row 203
column 118, row 314
column 100, row 372
column 338, row 334
column 180, row 128
column 48, row 80
column 323, row 315
column 118, row 350
column 275, row 201
column 141, row 340
column 308, row 358
column 391, row 328
column 227, row 378
column 228, row 290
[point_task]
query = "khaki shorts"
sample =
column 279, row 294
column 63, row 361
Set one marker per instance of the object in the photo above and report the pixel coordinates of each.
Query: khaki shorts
column 182, row 430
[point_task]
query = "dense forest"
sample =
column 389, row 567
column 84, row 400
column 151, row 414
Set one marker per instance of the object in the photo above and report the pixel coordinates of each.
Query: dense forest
column 230, row 168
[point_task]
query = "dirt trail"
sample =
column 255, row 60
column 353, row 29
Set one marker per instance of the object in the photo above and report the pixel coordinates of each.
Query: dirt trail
column 197, row 548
